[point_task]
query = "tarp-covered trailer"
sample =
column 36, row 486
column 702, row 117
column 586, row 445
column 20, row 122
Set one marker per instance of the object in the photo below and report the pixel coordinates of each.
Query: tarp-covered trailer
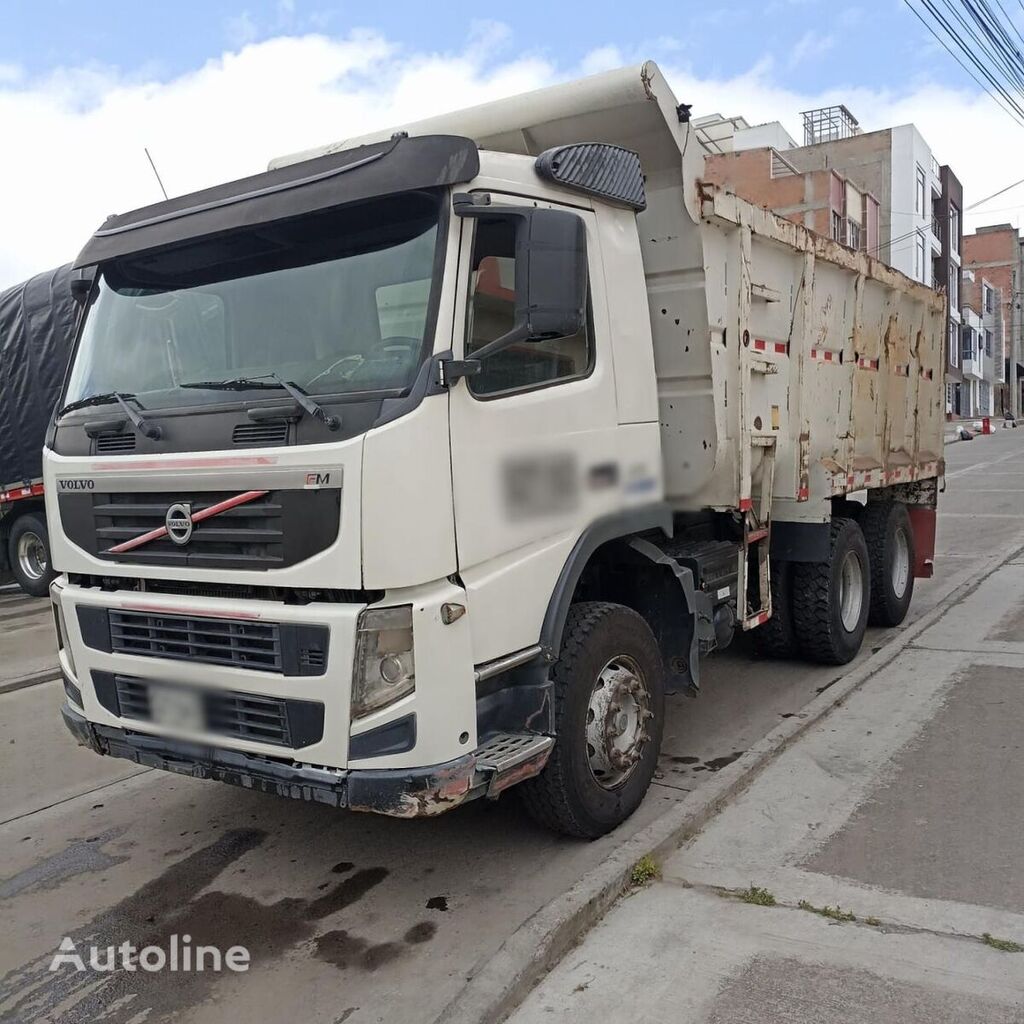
column 37, row 323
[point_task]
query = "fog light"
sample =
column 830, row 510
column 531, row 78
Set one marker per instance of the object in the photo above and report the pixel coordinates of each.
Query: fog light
column 385, row 669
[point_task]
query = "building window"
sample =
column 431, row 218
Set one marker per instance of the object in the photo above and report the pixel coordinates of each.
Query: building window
column 968, row 346
column 954, row 345
column 989, row 299
column 954, row 227
column 954, row 287
column 921, row 195
column 853, row 234
column 837, row 226
column 988, row 343
column 919, row 259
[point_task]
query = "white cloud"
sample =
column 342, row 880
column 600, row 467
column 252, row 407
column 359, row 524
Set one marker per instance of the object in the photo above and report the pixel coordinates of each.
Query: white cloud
column 810, row 46
column 81, row 131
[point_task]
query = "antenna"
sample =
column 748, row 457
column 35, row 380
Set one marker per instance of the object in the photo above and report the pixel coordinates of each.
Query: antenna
column 155, row 171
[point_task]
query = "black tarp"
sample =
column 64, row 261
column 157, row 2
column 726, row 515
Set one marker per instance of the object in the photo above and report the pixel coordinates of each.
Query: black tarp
column 401, row 165
column 37, row 324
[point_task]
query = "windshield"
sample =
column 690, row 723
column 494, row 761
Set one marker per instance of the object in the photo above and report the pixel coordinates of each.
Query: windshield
column 337, row 303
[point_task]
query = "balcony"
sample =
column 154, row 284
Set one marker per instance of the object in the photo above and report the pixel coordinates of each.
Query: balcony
column 935, row 235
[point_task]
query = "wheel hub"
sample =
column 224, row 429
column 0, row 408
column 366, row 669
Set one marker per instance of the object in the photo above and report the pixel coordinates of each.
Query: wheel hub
column 901, row 564
column 617, row 719
column 851, row 591
column 32, row 556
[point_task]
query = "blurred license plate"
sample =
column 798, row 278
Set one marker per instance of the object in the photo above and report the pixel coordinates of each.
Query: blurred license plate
column 176, row 708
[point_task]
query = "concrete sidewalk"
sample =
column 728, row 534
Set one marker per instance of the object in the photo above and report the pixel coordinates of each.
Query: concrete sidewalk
column 888, row 843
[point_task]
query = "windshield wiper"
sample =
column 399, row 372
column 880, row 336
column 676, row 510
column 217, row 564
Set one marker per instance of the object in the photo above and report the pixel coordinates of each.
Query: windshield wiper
column 150, row 430
column 310, row 407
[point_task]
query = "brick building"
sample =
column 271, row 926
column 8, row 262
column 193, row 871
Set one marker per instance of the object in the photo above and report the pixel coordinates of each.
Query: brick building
column 823, row 201
column 994, row 255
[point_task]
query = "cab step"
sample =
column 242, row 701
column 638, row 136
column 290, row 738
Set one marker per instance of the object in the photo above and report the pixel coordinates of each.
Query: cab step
column 507, row 758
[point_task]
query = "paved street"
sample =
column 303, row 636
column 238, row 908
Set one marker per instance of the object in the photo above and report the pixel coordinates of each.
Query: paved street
column 887, row 842
column 362, row 919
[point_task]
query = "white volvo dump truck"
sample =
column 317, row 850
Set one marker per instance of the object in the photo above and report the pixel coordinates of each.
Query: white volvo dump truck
column 423, row 465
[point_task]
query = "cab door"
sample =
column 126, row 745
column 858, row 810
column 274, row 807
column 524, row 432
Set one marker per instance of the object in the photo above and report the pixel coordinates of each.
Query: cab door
column 533, row 438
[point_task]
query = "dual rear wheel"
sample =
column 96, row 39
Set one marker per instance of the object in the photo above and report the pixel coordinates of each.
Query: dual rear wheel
column 821, row 609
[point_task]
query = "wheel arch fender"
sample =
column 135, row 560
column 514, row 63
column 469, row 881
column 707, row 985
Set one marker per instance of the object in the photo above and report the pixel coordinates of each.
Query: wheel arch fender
column 671, row 606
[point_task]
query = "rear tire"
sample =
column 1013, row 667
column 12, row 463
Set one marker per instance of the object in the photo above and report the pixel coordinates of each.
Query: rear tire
column 831, row 599
column 890, row 541
column 777, row 637
column 609, row 676
column 28, row 549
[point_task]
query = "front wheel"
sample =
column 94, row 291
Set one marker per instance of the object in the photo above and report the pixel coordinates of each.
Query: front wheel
column 29, row 554
column 609, row 698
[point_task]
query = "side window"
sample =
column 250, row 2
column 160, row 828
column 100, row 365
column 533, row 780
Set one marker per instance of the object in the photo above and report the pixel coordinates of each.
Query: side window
column 491, row 313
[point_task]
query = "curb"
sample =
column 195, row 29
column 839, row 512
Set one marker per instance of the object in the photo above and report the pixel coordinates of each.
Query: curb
column 500, row 984
column 44, row 676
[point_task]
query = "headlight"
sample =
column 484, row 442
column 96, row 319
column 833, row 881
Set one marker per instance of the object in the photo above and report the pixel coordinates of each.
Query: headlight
column 385, row 670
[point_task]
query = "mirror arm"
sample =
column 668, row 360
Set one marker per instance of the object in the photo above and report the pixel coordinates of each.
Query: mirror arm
column 521, row 332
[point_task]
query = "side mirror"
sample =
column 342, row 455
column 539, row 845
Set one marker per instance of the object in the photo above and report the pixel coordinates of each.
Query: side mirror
column 550, row 272
column 81, row 285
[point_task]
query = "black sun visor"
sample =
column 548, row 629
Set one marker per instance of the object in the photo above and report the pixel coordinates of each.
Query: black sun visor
column 398, row 165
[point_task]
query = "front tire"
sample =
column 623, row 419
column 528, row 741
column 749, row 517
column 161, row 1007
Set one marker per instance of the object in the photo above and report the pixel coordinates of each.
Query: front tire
column 28, row 550
column 890, row 540
column 609, row 698
column 831, row 599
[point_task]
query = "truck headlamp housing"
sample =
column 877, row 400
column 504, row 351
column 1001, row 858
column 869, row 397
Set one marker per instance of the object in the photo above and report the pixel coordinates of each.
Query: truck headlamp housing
column 385, row 669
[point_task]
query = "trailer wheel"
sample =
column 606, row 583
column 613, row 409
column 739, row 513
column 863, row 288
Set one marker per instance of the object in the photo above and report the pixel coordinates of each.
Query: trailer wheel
column 28, row 549
column 777, row 637
column 609, row 715
column 890, row 540
column 831, row 599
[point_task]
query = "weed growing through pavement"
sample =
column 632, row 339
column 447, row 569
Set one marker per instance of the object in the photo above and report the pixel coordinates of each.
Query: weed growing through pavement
column 644, row 870
column 758, row 896
column 833, row 913
column 1006, row 945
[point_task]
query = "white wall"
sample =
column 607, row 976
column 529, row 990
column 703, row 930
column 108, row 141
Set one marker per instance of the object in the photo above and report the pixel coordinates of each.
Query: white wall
column 760, row 135
column 909, row 150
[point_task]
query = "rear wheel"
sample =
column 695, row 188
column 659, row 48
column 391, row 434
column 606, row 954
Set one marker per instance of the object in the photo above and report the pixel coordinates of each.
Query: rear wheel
column 831, row 598
column 28, row 550
column 890, row 541
column 609, row 713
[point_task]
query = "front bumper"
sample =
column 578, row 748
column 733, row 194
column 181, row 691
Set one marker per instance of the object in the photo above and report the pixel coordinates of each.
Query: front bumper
column 399, row 792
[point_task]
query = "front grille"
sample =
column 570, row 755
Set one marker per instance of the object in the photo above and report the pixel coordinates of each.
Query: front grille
column 243, row 716
column 273, row 530
column 259, row 435
column 244, row 644
column 107, row 443
column 288, row 648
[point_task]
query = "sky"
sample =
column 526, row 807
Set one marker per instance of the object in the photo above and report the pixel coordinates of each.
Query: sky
column 215, row 88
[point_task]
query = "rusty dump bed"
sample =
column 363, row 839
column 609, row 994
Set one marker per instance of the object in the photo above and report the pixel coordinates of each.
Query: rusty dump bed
column 787, row 365
column 820, row 365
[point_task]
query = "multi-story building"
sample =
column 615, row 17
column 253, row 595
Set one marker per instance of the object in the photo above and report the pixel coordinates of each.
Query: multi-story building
column 976, row 393
column 994, row 255
column 919, row 204
column 826, row 202
column 720, row 134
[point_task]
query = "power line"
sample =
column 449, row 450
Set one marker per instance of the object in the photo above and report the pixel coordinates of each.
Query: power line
column 982, row 37
column 994, row 194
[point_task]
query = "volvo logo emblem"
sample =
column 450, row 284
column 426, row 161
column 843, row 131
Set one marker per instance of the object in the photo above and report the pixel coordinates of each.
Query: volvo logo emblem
column 179, row 523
